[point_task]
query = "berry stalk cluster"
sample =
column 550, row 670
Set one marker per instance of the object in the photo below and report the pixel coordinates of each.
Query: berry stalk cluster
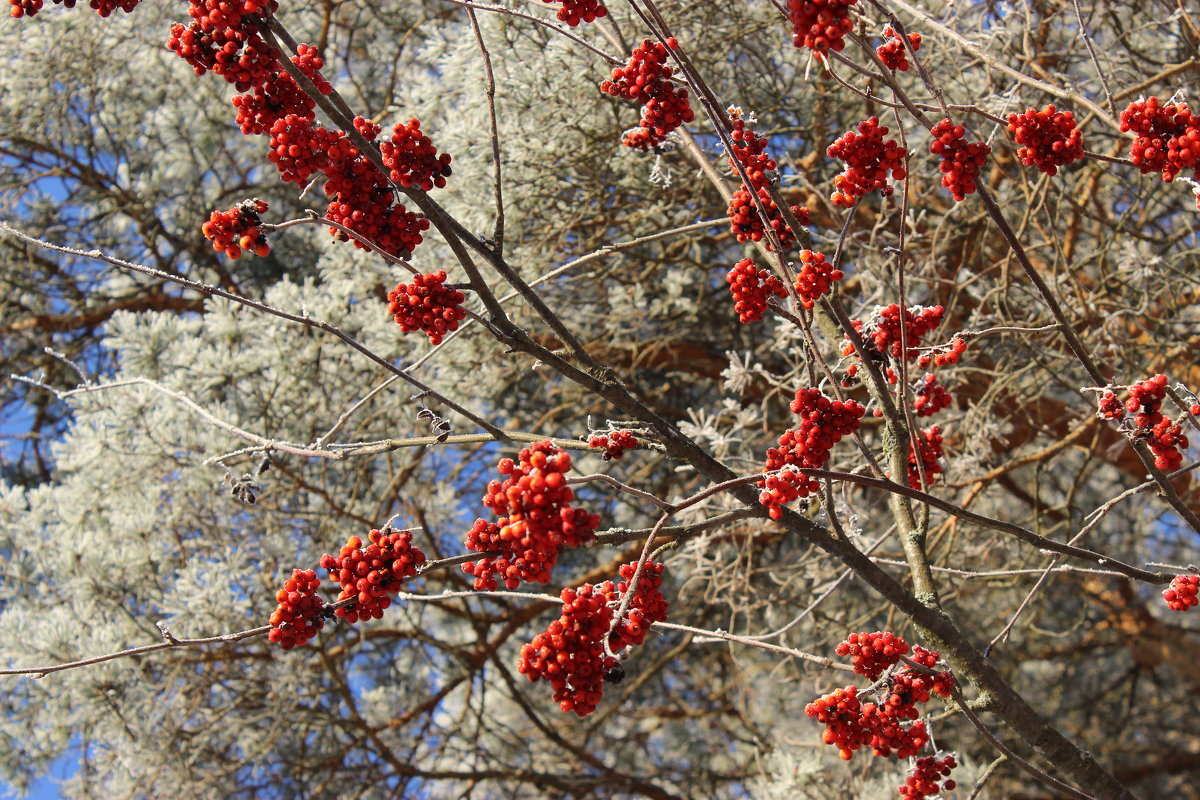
column 536, row 520
column 646, row 78
column 571, row 654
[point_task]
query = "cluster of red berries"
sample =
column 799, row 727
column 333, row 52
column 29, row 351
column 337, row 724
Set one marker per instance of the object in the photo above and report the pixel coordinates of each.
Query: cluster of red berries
column 1110, row 406
column 370, row 575
column 823, row 423
column 747, row 225
column 412, row 158
column 1048, row 138
column 893, row 53
column 570, row 653
column 884, row 726
column 615, row 444
column 646, row 78
column 28, row 8
column 1168, row 137
column 943, row 355
column 428, row 305
column 223, row 38
column 820, row 25
column 750, row 150
column 1164, row 436
column 815, row 278
column 237, row 229
column 575, row 11
column 872, row 653
column 869, row 160
column 301, row 611
column 537, row 520
column 751, row 289
column 929, row 777
column 1167, row 442
column 279, row 96
column 960, row 160
column 363, row 201
column 1181, row 595
column 931, row 397
column 882, row 329
column 930, row 447
column 1145, row 399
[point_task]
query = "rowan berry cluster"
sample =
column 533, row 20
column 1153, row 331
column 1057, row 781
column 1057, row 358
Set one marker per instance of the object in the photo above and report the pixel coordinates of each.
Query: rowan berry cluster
column 537, row 520
column 823, row 423
column 1168, row 137
column 869, row 160
column 362, row 200
column 872, row 653
column 615, row 443
column 575, row 11
column 747, row 225
column 279, row 96
column 646, row 78
column 931, row 397
column 960, row 160
column 1146, row 399
column 929, row 777
column 882, row 329
column 1048, row 138
column 1163, row 436
column 1110, row 406
column 891, row 725
column 223, row 38
column 750, row 150
column 370, row 575
column 427, row 305
column 943, row 355
column 571, row 652
column 28, row 8
column 1182, row 593
column 301, row 611
column 893, row 53
column 236, row 229
column 820, row 25
column 930, row 455
column 815, row 277
column 412, row 158
column 751, row 289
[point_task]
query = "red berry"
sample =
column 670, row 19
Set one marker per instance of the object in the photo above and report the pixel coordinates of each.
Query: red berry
column 893, row 53
column 1168, row 137
column 536, row 520
column 751, row 289
column 412, row 158
column 575, row 11
column 237, row 229
column 427, row 305
column 815, row 278
column 373, row 573
column 1181, row 595
column 1048, row 138
column 820, row 25
column 746, row 223
column 869, row 160
column 646, row 78
column 960, row 161
column 300, row 613
column 614, row 444
column 823, row 423
column 570, row 652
